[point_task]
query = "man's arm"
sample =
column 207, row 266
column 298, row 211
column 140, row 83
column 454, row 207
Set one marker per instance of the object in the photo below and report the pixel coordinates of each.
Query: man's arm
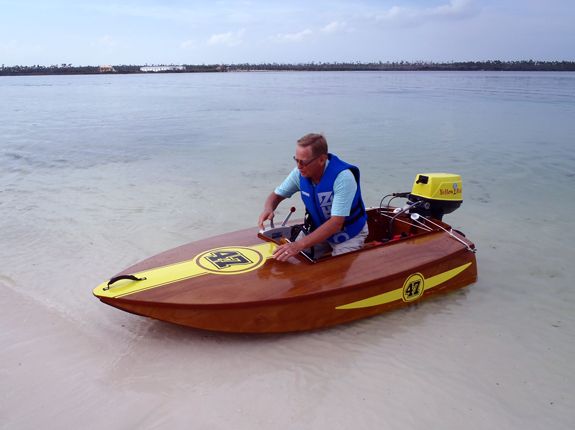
column 287, row 188
column 270, row 206
column 322, row 233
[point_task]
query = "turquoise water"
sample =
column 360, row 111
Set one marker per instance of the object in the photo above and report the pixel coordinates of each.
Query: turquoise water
column 392, row 124
column 99, row 172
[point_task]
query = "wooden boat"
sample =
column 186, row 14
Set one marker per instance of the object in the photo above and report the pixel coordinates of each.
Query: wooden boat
column 231, row 283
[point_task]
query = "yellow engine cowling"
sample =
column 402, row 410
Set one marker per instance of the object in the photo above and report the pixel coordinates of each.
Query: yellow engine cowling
column 437, row 193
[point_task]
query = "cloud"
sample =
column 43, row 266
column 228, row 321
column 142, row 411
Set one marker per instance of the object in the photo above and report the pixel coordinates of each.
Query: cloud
column 228, row 39
column 293, row 37
column 453, row 10
column 334, row 27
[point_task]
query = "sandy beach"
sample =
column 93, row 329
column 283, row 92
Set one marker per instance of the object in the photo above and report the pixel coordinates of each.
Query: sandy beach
column 496, row 355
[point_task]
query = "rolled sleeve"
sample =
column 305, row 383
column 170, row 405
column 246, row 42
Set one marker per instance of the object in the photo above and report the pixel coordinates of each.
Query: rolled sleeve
column 344, row 189
column 289, row 186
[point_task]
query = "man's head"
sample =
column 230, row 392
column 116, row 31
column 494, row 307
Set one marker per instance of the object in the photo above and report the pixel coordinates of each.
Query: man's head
column 311, row 155
column 315, row 141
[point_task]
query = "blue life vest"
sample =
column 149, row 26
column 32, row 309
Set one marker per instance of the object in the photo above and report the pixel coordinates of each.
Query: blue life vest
column 319, row 198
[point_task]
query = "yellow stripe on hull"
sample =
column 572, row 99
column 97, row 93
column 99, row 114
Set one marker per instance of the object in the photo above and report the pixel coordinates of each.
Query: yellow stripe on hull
column 222, row 261
column 399, row 294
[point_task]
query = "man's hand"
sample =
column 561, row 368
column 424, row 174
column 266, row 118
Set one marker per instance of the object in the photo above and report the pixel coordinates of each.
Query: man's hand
column 287, row 250
column 326, row 230
column 270, row 206
column 266, row 215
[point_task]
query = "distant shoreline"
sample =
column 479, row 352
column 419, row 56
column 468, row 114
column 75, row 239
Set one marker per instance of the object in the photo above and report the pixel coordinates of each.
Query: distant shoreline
column 512, row 66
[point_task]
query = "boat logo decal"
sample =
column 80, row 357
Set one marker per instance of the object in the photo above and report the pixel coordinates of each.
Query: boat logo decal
column 230, row 260
column 413, row 287
column 325, row 202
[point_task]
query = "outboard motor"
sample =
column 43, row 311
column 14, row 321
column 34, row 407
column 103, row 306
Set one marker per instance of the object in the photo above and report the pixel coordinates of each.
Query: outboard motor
column 435, row 194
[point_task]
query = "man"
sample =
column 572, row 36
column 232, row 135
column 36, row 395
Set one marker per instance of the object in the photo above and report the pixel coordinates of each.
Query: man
column 332, row 196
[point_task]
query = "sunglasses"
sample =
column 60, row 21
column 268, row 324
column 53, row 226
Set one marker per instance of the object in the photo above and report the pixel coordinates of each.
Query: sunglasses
column 304, row 163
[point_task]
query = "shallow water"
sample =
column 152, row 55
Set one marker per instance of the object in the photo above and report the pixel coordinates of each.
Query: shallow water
column 99, row 172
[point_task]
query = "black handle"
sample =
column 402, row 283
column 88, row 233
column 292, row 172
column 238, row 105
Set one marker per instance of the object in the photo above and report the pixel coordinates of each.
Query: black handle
column 422, row 179
column 120, row 277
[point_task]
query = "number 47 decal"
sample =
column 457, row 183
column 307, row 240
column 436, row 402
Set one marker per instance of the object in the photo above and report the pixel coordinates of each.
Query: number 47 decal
column 413, row 287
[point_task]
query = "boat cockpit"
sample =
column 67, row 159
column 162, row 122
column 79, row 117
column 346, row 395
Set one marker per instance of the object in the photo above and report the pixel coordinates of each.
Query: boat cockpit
column 432, row 196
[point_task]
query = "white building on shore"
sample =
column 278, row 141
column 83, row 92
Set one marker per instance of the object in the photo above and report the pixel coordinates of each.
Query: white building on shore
column 106, row 69
column 162, row 69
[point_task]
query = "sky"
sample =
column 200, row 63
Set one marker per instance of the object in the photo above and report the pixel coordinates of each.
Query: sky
column 141, row 32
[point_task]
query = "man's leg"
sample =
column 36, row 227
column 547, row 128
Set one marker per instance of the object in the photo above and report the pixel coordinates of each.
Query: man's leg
column 352, row 244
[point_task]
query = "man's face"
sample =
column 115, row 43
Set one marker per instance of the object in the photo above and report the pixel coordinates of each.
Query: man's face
column 308, row 165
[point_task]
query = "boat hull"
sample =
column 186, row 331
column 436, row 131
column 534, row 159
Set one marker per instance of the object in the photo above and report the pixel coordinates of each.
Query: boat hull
column 268, row 296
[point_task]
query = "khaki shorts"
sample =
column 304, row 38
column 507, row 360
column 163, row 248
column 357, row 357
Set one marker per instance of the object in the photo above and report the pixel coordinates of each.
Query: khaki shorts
column 352, row 244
